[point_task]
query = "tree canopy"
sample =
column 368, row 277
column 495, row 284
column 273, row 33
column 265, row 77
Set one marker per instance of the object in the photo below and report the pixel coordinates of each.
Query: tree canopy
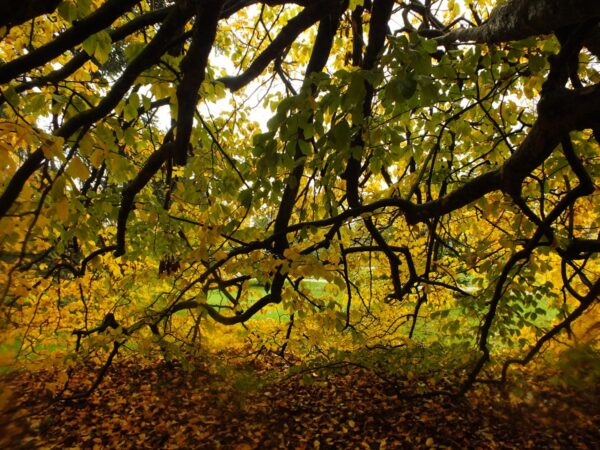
column 315, row 177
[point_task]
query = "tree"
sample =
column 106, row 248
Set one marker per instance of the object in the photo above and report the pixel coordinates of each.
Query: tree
column 433, row 164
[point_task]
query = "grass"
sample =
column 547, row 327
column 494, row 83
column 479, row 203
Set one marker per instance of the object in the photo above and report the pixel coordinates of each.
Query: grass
column 425, row 327
column 275, row 312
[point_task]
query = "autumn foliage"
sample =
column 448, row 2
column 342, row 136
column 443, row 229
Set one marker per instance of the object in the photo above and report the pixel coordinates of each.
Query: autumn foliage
column 404, row 189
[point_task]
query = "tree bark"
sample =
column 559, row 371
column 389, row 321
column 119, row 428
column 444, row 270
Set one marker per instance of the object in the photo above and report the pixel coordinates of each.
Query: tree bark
column 519, row 19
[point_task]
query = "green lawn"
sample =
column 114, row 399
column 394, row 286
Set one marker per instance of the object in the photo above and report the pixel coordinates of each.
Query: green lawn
column 455, row 324
column 275, row 312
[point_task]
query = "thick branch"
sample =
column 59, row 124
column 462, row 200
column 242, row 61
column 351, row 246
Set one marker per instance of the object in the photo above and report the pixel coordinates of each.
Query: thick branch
column 82, row 57
column 80, row 31
column 226, row 320
column 518, row 19
column 560, row 113
column 193, row 67
column 593, row 41
column 16, row 13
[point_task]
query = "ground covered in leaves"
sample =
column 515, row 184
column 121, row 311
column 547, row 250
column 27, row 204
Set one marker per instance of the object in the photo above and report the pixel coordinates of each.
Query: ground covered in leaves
column 163, row 406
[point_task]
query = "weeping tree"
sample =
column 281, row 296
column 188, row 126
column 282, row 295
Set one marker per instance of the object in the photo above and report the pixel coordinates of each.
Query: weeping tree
column 375, row 172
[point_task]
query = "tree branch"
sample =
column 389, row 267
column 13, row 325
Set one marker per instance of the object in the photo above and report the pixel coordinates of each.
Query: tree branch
column 80, row 31
column 519, row 19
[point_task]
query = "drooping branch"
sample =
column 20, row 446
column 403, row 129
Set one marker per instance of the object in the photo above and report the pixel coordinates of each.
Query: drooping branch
column 80, row 271
column 381, row 13
column 568, row 110
column 585, row 187
column 586, row 303
column 289, row 33
column 109, row 321
column 153, row 165
column 242, row 317
column 193, row 67
column 317, row 62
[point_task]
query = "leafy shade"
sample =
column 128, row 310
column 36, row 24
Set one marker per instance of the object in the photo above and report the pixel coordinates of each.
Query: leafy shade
column 311, row 177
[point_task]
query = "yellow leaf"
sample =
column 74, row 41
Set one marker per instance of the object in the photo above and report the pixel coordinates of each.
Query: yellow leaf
column 20, row 291
column 77, row 169
column 429, row 442
column 86, row 145
column 242, row 446
column 221, row 254
column 62, row 209
column 52, row 388
column 52, row 147
column 97, row 158
column 291, row 254
column 5, row 155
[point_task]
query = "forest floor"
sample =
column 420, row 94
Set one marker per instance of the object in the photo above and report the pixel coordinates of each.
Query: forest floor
column 163, row 406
